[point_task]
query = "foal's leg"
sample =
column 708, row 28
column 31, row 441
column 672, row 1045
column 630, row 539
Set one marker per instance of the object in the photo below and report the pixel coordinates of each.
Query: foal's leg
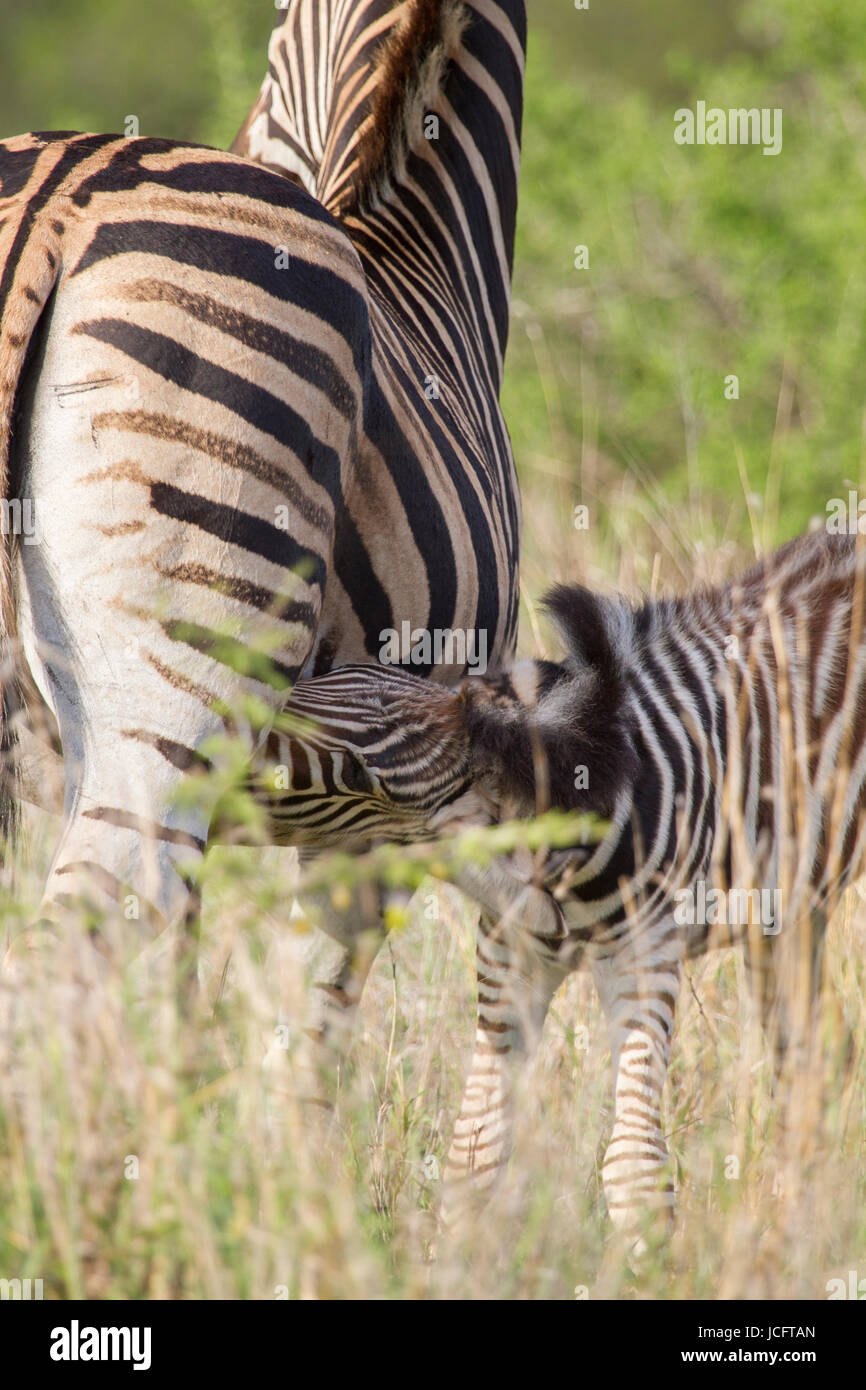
column 519, row 935
column 638, row 984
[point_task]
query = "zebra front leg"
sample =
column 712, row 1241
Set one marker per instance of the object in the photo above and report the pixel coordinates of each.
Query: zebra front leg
column 519, row 934
column 638, row 985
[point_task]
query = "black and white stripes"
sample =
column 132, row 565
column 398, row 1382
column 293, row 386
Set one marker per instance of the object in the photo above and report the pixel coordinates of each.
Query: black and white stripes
column 723, row 737
column 257, row 415
column 359, row 756
column 731, row 759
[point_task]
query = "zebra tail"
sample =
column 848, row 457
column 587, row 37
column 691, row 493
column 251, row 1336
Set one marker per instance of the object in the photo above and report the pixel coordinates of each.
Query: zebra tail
column 30, row 263
column 10, row 808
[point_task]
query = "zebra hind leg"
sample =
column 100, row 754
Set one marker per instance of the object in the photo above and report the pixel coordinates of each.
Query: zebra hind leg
column 638, row 985
column 518, row 974
column 788, row 979
column 817, row 1048
column 125, row 866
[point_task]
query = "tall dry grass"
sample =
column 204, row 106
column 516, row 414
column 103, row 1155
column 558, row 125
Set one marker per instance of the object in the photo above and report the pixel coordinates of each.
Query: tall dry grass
column 147, row 1152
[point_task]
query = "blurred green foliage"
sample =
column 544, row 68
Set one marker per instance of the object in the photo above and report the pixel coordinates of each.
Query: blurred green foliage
column 703, row 261
column 186, row 71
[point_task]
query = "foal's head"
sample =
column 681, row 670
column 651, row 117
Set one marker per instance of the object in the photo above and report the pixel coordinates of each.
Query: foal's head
column 372, row 753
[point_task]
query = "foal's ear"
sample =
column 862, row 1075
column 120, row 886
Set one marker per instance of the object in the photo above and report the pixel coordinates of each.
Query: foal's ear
column 549, row 734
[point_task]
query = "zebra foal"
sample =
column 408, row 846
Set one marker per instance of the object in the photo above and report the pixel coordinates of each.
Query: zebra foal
column 722, row 735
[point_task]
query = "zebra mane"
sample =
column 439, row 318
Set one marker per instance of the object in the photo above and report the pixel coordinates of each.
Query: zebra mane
column 413, row 62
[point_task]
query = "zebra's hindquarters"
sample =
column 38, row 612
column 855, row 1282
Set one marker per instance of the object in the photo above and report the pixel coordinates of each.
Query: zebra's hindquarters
column 187, row 422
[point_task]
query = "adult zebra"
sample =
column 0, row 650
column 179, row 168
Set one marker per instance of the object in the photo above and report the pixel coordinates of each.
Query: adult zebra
column 258, row 422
